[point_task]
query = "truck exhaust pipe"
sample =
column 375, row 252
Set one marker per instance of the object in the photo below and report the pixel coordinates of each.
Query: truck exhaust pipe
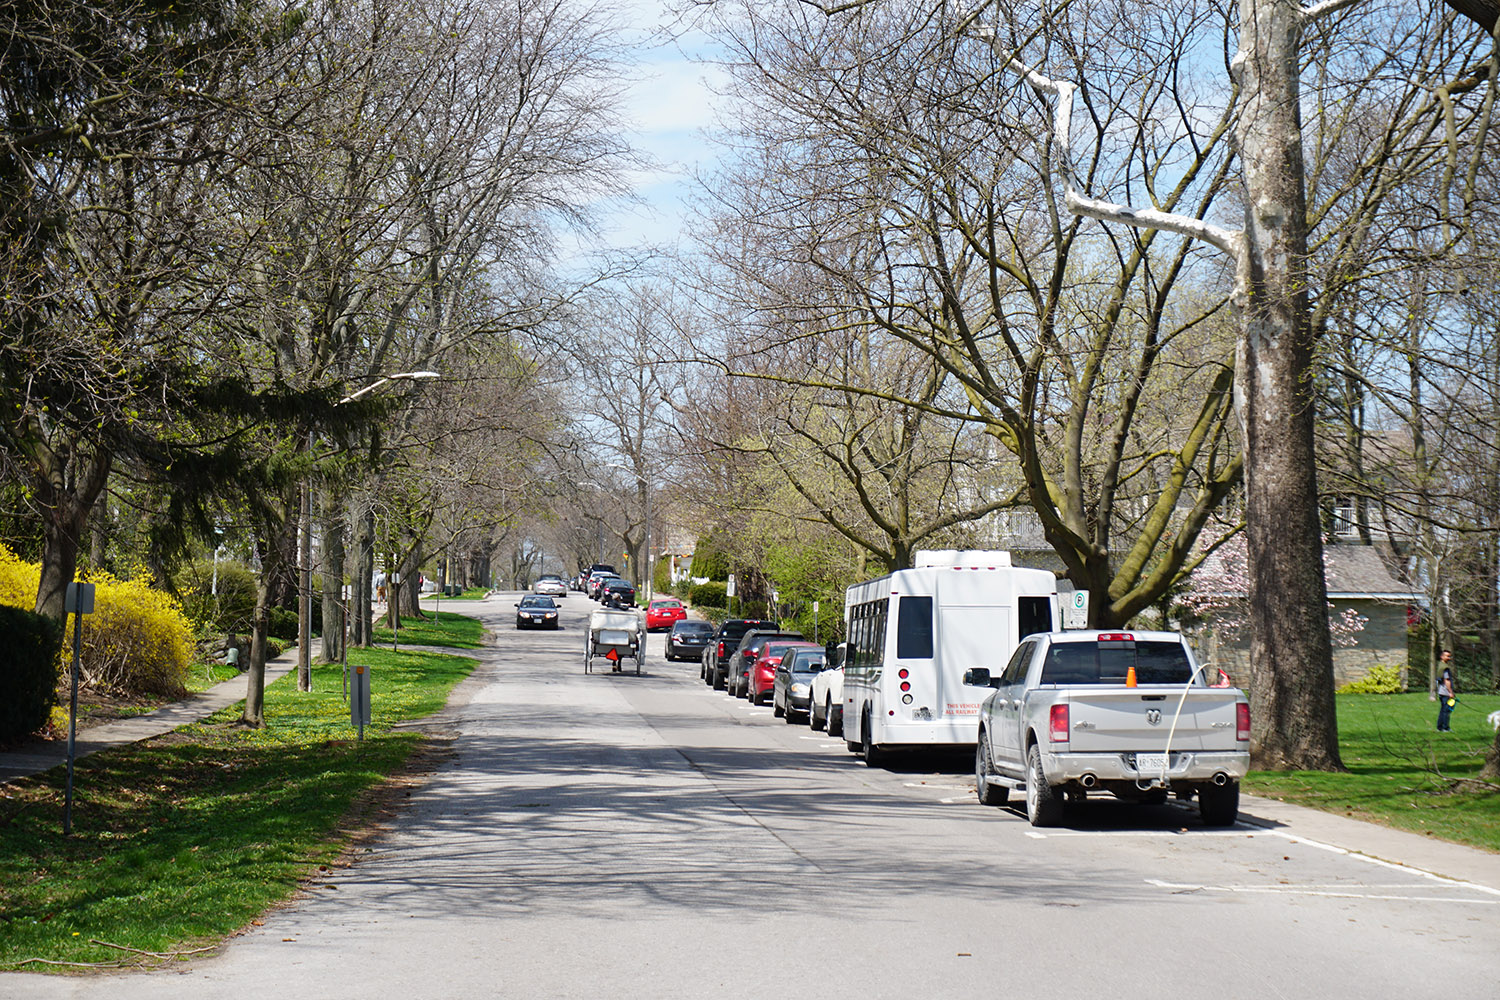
column 1221, row 779
column 1088, row 780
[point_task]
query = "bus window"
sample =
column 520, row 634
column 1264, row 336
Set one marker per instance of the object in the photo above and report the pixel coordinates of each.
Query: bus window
column 914, row 628
column 1033, row 615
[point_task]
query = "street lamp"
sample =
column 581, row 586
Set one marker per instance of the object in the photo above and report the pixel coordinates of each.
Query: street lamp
column 383, row 380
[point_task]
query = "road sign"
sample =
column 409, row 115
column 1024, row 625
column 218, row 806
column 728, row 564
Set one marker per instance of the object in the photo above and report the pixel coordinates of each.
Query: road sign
column 1075, row 608
column 359, row 699
column 729, row 587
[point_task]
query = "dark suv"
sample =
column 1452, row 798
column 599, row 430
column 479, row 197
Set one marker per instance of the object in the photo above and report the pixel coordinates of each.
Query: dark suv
column 617, row 593
column 737, row 667
column 723, row 644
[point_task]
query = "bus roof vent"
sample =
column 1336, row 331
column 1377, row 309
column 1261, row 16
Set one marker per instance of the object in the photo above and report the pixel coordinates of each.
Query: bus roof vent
column 960, row 559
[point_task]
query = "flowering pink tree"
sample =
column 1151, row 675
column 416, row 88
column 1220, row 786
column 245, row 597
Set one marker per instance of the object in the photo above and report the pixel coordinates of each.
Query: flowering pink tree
column 1221, row 583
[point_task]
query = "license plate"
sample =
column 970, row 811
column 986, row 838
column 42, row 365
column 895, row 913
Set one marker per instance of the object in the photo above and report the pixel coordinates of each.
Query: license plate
column 1150, row 762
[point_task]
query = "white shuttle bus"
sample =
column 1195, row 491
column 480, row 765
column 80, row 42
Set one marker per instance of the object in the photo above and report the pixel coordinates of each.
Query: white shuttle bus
column 912, row 634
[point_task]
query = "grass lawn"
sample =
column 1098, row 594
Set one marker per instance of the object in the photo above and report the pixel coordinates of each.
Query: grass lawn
column 180, row 841
column 469, row 594
column 456, row 631
column 1402, row 772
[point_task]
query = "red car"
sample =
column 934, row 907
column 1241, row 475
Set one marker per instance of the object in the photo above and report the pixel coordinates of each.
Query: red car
column 763, row 671
column 663, row 614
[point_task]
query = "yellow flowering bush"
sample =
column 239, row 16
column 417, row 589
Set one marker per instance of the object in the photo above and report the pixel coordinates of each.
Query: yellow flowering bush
column 136, row 641
column 19, row 580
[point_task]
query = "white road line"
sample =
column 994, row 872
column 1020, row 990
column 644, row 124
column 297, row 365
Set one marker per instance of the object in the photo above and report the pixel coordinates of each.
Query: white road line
column 1113, row 834
column 1273, row 890
column 1392, row 865
column 939, row 788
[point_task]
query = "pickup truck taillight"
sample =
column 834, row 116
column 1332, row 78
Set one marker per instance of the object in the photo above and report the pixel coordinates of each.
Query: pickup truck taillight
column 1242, row 721
column 1059, row 723
column 721, row 651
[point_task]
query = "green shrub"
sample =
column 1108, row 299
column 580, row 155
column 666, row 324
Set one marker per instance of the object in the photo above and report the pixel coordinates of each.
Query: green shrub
column 1380, row 680
column 232, row 608
column 709, row 595
column 28, row 683
column 661, row 577
column 709, row 560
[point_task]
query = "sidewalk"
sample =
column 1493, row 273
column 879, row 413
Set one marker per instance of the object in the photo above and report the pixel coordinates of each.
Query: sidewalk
column 37, row 757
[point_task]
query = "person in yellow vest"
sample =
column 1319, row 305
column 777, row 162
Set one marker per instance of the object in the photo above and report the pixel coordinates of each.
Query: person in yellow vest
column 1446, row 693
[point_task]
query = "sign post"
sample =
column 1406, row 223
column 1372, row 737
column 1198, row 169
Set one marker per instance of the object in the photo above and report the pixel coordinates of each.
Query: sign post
column 815, row 621
column 78, row 602
column 359, row 698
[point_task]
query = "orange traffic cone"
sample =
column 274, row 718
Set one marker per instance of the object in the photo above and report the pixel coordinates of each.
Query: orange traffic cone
column 1130, row 676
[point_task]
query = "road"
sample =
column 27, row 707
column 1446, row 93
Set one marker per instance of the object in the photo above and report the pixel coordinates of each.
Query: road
column 621, row 836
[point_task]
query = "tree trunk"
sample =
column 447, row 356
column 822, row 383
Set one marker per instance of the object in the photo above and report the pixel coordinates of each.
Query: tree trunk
column 1491, row 769
column 411, row 584
column 304, row 588
column 334, row 555
column 66, row 491
column 275, row 542
column 364, row 583
column 1291, row 653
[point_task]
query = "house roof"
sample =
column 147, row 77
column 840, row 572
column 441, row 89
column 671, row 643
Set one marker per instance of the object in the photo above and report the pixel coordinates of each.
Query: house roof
column 1359, row 571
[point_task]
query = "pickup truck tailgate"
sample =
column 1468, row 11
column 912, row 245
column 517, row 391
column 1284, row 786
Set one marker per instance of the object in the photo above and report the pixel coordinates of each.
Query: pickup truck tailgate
column 1111, row 719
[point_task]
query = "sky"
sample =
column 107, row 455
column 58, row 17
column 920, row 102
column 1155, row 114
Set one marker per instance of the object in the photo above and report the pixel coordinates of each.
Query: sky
column 670, row 105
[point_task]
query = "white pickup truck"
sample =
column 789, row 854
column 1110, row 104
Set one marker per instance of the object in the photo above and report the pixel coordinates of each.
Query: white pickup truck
column 1124, row 712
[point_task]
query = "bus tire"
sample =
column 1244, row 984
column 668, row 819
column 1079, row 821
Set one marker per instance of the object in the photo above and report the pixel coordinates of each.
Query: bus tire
column 989, row 794
column 874, row 756
column 1044, row 806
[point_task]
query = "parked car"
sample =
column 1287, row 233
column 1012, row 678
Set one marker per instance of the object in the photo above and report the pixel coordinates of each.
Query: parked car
column 688, row 639
column 737, row 681
column 663, row 613
column 760, row 681
column 827, row 708
column 597, row 581
column 536, row 611
column 617, row 593
column 726, row 639
column 1122, row 712
column 791, row 690
column 550, row 584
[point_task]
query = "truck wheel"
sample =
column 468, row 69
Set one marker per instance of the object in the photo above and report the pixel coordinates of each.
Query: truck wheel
column 989, row 795
column 1044, row 806
column 1219, row 805
column 814, row 723
column 835, row 728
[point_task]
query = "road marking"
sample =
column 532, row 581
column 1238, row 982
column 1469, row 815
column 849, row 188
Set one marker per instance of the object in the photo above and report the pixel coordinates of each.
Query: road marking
column 1036, row 835
column 1392, row 865
column 1292, row 890
column 940, row 788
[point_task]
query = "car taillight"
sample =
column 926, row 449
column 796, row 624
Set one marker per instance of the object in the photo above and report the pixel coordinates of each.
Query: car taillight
column 1242, row 721
column 721, row 650
column 1059, row 723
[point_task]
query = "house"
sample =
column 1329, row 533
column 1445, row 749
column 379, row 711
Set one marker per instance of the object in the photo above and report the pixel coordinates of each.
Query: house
column 1367, row 609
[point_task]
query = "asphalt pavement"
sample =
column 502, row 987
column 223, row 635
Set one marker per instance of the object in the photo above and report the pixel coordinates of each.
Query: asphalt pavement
column 623, row 836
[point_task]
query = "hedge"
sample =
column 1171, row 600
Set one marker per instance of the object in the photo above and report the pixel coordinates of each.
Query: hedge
column 28, row 682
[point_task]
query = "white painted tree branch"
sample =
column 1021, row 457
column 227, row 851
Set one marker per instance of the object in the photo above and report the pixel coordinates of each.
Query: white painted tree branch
column 1062, row 91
